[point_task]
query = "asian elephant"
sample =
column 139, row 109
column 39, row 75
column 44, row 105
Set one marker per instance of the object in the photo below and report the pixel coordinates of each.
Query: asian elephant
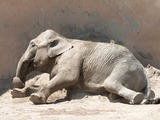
column 93, row 67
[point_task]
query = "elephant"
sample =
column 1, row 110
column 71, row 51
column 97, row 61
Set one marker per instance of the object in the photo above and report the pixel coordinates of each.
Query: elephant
column 93, row 67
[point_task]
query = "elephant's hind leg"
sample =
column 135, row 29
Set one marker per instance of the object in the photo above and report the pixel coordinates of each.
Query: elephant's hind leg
column 117, row 88
column 132, row 96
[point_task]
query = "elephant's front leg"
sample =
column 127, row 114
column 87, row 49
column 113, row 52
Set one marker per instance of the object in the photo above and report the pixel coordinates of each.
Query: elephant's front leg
column 56, row 83
column 24, row 92
column 19, row 92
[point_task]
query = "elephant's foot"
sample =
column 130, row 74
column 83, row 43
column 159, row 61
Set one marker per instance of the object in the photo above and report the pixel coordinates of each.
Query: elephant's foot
column 137, row 99
column 18, row 93
column 152, row 101
column 37, row 99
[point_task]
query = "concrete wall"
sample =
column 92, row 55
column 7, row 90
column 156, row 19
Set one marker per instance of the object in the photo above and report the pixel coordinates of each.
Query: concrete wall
column 133, row 23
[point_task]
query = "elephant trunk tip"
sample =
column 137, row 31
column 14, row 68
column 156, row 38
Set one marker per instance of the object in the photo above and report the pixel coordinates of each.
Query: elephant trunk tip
column 18, row 83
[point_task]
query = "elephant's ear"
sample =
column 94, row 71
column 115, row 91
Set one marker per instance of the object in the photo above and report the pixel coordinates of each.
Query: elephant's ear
column 58, row 46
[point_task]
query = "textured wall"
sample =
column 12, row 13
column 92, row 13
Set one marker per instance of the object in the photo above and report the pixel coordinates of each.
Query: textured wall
column 134, row 23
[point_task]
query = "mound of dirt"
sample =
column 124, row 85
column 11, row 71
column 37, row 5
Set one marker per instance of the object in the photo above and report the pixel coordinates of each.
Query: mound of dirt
column 82, row 106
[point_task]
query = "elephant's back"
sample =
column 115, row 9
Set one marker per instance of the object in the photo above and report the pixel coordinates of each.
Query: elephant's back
column 103, row 57
column 100, row 62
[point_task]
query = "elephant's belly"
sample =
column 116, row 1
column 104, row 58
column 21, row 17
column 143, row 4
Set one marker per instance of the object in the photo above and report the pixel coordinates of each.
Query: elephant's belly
column 93, row 79
column 92, row 88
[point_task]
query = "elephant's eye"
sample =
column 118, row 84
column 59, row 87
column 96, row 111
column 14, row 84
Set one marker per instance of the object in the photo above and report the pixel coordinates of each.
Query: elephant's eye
column 33, row 44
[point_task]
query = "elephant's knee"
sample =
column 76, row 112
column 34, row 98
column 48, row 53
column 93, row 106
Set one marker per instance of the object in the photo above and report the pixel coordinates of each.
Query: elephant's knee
column 112, row 86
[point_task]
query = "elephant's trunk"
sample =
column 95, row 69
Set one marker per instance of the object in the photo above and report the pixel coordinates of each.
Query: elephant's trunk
column 23, row 69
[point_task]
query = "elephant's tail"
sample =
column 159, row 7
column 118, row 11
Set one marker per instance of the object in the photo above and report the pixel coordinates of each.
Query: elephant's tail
column 147, row 91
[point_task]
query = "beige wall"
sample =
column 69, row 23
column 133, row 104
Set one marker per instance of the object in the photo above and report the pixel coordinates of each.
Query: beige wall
column 135, row 23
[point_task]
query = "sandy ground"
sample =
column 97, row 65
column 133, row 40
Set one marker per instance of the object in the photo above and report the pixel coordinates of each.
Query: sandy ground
column 81, row 107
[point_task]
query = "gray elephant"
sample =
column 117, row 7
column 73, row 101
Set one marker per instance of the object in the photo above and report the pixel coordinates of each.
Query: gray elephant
column 93, row 67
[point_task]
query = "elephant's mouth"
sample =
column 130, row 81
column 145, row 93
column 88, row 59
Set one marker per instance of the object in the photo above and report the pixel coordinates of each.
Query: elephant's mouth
column 37, row 64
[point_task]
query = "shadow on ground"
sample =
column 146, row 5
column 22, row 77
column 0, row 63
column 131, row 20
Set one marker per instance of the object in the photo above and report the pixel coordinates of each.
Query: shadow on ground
column 5, row 85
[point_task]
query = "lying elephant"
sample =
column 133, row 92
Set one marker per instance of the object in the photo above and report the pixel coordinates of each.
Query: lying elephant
column 93, row 67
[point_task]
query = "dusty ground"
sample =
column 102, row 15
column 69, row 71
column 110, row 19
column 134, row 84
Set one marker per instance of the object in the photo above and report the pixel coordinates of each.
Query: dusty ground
column 82, row 106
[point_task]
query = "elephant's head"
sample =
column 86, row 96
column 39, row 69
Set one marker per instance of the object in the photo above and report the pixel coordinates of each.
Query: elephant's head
column 39, row 55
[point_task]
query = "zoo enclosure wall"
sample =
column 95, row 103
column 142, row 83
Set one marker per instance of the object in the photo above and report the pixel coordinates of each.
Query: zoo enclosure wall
column 133, row 23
